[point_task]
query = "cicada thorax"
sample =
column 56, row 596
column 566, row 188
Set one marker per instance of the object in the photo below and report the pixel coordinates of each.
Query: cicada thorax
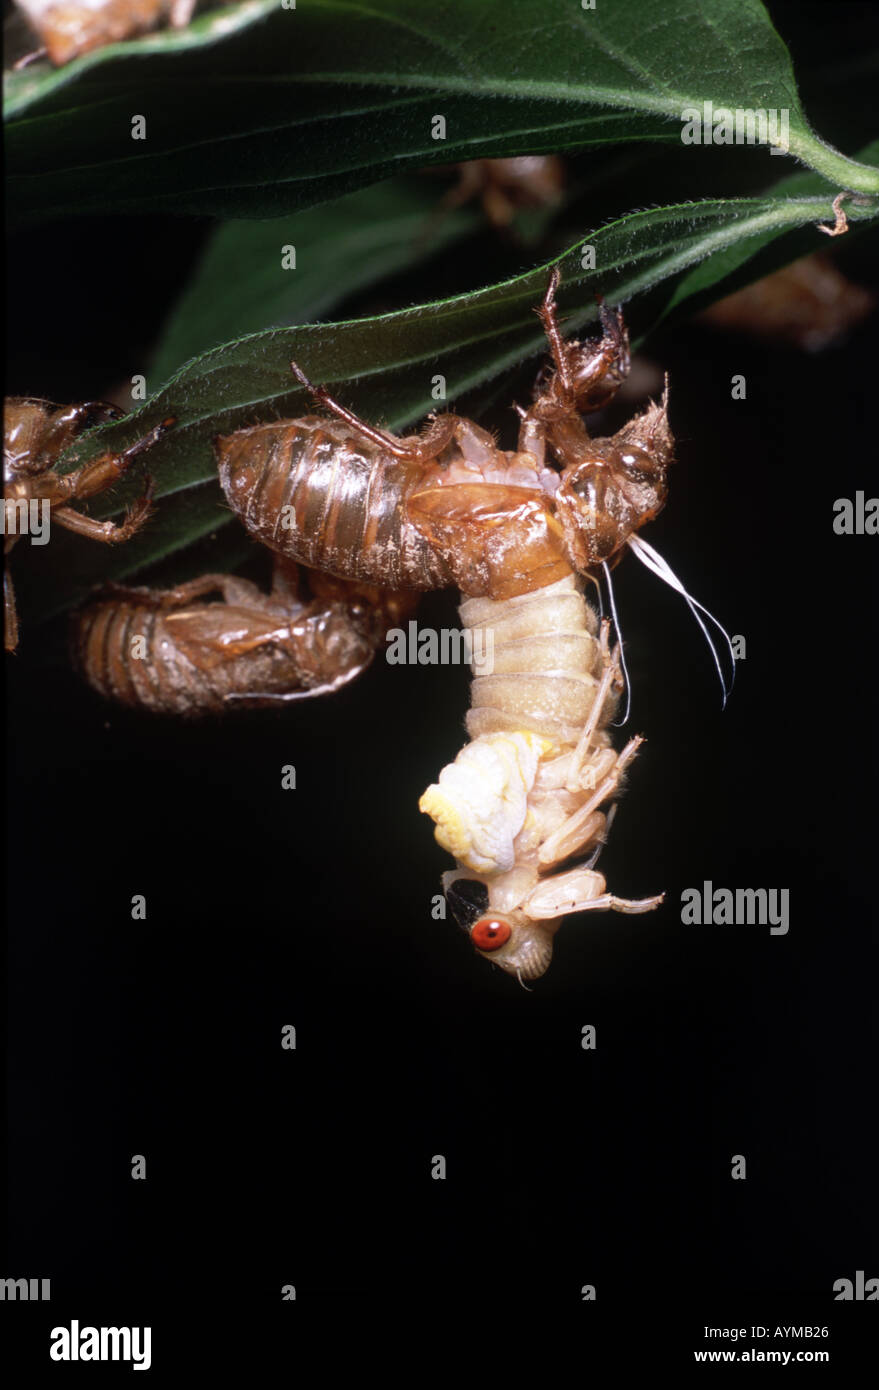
column 498, row 539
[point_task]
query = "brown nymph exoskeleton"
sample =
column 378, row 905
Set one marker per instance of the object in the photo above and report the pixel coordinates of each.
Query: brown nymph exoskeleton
column 35, row 435
column 173, row 652
column 447, row 506
column 808, row 303
column 514, row 531
column 68, row 28
column 506, row 185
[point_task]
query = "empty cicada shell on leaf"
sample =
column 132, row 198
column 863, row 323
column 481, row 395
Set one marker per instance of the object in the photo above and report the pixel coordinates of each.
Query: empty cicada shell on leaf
column 35, row 435
column 174, row 651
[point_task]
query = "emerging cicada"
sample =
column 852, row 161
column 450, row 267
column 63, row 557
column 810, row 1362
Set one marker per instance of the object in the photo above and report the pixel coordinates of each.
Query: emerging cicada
column 516, row 531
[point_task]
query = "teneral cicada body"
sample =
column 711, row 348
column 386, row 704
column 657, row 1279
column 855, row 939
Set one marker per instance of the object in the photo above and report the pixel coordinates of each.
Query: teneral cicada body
column 524, row 797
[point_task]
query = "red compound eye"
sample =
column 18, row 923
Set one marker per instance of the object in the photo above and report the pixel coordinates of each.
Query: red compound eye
column 488, row 934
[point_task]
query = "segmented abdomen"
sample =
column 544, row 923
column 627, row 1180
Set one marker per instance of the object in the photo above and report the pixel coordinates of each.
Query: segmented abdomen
column 546, row 663
column 179, row 666
column 314, row 491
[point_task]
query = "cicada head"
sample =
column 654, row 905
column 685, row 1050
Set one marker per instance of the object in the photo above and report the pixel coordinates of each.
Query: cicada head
column 621, row 483
column 511, row 940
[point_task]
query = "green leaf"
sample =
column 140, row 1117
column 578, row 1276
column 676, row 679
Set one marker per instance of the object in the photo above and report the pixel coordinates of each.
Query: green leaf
column 700, row 281
column 294, row 107
column 241, row 285
column 387, row 365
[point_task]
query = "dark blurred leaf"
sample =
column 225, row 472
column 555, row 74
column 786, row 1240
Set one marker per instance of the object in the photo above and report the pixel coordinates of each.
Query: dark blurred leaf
column 701, row 279
column 294, row 107
column 241, row 286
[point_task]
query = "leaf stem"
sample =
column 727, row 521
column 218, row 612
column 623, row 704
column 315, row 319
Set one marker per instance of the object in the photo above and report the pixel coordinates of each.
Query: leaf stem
column 831, row 165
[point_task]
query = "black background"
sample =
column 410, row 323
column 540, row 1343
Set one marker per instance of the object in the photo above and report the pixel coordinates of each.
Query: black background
column 312, row 907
